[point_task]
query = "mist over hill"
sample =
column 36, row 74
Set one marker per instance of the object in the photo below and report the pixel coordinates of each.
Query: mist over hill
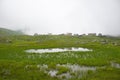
column 9, row 32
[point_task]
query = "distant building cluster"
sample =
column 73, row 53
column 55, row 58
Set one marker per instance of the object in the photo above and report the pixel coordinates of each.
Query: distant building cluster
column 70, row 34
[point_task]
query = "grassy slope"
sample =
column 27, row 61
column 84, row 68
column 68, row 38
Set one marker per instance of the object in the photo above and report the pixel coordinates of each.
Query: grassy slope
column 8, row 32
column 5, row 34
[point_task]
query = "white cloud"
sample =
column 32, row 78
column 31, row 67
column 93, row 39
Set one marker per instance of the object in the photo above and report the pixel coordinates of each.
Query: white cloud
column 58, row 16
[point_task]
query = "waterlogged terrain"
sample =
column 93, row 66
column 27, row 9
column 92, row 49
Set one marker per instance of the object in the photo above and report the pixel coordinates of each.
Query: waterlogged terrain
column 65, row 58
column 69, row 70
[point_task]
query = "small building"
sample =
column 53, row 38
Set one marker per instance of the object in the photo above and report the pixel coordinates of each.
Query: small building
column 68, row 34
column 49, row 33
column 82, row 35
column 76, row 34
column 100, row 34
column 91, row 34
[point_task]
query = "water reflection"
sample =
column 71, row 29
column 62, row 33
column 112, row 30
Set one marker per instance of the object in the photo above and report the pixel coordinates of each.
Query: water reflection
column 116, row 65
column 57, row 50
column 76, row 70
column 73, row 70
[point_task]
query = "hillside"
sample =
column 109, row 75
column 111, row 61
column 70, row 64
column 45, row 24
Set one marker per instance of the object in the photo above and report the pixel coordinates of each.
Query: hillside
column 8, row 32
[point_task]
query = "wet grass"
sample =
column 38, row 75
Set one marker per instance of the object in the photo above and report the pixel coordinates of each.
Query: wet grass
column 13, row 58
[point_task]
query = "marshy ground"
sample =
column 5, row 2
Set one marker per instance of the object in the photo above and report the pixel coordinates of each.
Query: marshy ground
column 102, row 62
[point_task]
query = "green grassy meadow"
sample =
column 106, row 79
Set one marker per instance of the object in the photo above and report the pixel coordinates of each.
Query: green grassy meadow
column 16, row 64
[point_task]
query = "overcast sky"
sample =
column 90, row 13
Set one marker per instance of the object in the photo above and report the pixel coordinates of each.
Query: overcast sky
column 61, row 16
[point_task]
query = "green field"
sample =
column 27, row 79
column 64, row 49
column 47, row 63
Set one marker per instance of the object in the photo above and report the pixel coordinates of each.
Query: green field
column 16, row 64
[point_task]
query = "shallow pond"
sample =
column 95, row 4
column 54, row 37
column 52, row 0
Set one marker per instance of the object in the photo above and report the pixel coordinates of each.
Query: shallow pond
column 56, row 50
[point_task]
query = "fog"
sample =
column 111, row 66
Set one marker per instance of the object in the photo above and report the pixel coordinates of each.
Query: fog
column 61, row 16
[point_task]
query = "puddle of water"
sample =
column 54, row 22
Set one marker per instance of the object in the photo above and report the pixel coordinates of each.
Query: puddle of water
column 116, row 65
column 53, row 73
column 56, row 50
column 75, row 70
column 65, row 75
column 75, row 67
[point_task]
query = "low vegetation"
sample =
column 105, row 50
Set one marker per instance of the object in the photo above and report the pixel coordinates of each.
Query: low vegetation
column 16, row 64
